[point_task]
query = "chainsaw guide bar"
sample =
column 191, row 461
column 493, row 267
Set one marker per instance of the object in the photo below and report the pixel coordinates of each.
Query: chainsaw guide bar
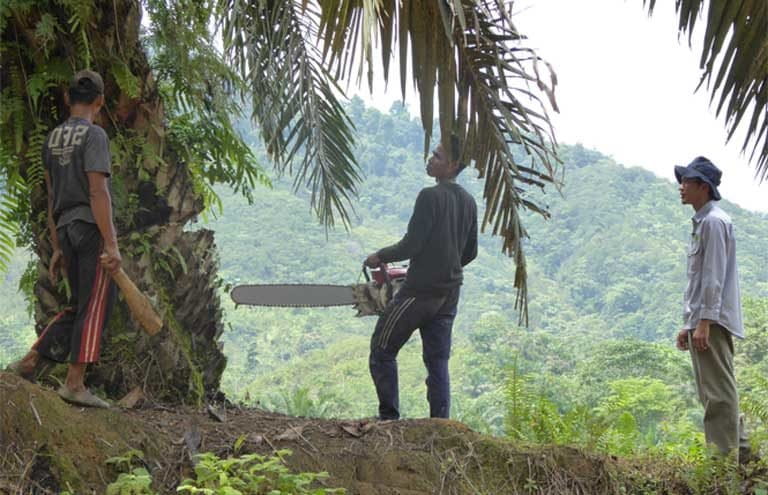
column 294, row 295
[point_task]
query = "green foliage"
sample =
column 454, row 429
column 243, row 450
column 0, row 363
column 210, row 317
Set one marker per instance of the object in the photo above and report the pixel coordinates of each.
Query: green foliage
column 597, row 366
column 203, row 98
column 533, row 417
column 252, row 474
column 133, row 478
column 9, row 204
column 126, row 461
column 733, row 51
column 137, row 482
column 200, row 92
column 303, row 402
column 31, row 73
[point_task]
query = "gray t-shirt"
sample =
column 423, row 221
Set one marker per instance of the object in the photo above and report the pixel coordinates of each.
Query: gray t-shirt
column 70, row 151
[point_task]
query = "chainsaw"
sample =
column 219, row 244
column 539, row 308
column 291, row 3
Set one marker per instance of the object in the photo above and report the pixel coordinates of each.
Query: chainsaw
column 369, row 298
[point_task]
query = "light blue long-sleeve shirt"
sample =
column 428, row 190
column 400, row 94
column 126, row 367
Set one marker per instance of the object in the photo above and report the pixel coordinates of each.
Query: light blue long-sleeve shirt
column 713, row 278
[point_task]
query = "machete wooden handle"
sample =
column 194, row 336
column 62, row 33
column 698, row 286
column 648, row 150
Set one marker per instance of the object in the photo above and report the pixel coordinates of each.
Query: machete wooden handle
column 139, row 304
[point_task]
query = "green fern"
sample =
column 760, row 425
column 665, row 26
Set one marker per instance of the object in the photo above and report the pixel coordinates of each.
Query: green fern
column 45, row 32
column 755, row 402
column 18, row 113
column 35, row 168
column 81, row 12
column 518, row 398
column 8, row 229
column 125, row 79
column 12, row 190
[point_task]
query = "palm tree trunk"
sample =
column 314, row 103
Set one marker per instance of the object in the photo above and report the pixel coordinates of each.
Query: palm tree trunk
column 154, row 199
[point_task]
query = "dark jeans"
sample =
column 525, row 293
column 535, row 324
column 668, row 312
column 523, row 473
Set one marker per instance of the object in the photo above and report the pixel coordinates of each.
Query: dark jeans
column 433, row 316
column 75, row 334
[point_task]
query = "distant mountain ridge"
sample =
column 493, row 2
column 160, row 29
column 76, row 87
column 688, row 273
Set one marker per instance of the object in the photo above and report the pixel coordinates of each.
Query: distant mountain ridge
column 609, row 263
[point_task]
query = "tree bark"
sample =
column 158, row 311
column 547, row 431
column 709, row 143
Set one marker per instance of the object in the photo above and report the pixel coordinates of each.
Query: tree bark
column 154, row 199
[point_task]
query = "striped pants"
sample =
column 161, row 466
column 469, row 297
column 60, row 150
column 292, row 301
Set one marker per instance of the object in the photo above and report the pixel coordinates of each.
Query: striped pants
column 433, row 316
column 75, row 334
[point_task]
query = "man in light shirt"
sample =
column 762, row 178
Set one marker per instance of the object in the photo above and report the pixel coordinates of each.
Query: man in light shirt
column 712, row 307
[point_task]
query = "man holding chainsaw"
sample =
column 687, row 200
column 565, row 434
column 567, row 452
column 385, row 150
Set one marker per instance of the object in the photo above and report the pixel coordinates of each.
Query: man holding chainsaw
column 441, row 239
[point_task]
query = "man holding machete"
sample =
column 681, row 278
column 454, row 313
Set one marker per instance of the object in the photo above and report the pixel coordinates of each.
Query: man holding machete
column 83, row 237
column 441, row 239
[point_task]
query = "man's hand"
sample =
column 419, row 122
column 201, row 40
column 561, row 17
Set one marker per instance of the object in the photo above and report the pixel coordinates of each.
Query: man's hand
column 372, row 261
column 682, row 340
column 111, row 259
column 57, row 264
column 701, row 336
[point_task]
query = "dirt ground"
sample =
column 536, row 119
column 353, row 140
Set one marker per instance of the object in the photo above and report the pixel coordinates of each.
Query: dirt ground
column 48, row 446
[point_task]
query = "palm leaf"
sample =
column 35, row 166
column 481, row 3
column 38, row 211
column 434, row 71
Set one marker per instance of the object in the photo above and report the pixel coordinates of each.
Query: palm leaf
column 294, row 98
column 734, row 63
column 489, row 91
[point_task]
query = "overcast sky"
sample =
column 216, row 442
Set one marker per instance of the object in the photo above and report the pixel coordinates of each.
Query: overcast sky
column 626, row 88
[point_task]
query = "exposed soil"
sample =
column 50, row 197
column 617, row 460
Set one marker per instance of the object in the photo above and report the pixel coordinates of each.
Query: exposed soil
column 47, row 446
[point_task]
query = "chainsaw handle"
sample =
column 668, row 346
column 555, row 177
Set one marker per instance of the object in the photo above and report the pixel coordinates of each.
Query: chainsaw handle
column 382, row 268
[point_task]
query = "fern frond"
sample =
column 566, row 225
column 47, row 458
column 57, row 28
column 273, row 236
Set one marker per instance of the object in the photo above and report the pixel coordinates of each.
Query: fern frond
column 13, row 191
column 755, row 401
column 80, row 13
column 46, row 31
column 125, row 79
column 18, row 113
column 35, row 171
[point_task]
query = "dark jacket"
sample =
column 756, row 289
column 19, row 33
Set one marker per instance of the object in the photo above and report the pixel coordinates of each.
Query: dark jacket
column 441, row 239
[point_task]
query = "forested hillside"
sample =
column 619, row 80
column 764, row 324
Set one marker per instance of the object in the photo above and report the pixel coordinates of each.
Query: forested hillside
column 596, row 364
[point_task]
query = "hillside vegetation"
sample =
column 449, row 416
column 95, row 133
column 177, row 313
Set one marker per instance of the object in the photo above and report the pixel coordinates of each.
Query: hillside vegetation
column 595, row 367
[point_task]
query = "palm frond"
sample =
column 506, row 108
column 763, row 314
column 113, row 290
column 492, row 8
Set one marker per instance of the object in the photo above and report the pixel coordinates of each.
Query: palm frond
column 734, row 63
column 490, row 92
column 294, row 98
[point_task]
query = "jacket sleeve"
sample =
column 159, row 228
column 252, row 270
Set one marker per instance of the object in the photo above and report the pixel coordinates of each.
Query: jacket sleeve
column 419, row 229
column 470, row 248
column 715, row 258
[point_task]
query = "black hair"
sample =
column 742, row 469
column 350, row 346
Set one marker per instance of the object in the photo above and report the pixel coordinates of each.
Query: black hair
column 83, row 91
column 456, row 153
column 455, row 148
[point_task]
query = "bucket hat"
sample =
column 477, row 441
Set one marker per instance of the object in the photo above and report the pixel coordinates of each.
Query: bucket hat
column 704, row 170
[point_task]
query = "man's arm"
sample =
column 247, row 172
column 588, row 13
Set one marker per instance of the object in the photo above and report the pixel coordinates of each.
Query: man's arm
column 419, row 229
column 101, row 206
column 713, row 267
column 470, row 249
